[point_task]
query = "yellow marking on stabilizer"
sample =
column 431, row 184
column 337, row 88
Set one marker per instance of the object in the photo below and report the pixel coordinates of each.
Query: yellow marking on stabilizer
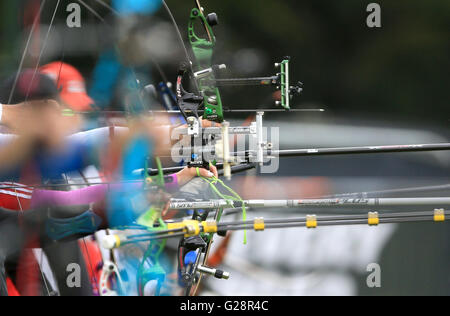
column 439, row 215
column 190, row 228
column 177, row 225
column 373, row 219
column 258, row 224
column 311, row 221
column 209, row 226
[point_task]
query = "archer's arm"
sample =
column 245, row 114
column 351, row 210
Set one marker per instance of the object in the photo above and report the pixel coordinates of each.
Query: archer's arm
column 13, row 149
column 35, row 124
column 15, row 152
column 10, row 114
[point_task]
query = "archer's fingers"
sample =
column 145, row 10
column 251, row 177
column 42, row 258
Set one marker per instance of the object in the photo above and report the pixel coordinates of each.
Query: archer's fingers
column 206, row 173
column 213, row 169
column 206, row 123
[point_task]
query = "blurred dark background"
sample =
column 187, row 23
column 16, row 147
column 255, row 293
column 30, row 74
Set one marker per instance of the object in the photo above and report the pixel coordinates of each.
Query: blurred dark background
column 371, row 81
column 397, row 72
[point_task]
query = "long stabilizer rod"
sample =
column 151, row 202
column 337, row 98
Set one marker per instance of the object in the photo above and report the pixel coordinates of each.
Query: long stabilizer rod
column 192, row 228
column 372, row 203
column 361, row 150
column 334, row 151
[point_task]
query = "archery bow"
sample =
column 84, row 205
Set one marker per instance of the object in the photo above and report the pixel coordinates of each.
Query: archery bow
column 203, row 50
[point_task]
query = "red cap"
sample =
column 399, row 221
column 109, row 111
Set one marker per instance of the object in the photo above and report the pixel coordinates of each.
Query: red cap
column 71, row 84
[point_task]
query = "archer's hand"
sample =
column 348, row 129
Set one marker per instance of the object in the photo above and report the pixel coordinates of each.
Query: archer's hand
column 39, row 120
column 187, row 174
column 206, row 123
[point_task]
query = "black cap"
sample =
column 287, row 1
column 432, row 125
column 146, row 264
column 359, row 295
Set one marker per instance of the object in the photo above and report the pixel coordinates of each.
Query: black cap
column 30, row 86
